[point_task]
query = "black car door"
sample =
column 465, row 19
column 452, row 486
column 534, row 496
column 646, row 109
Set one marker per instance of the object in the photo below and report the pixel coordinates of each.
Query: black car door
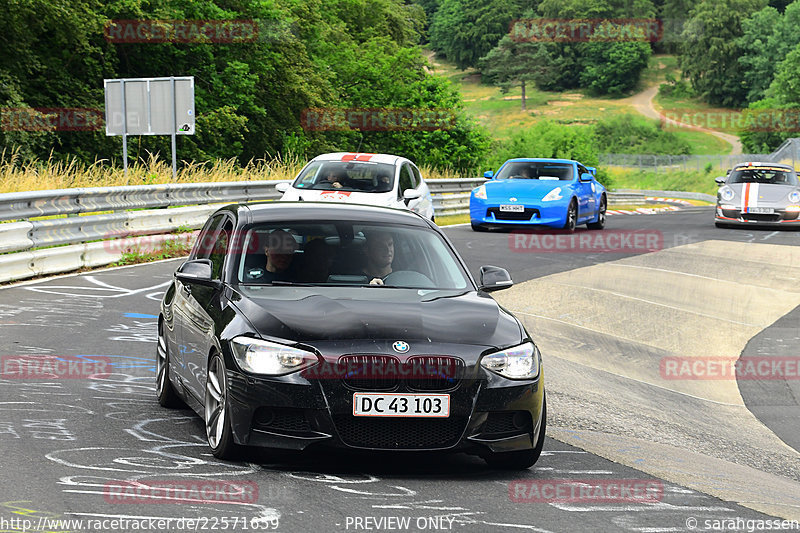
column 198, row 329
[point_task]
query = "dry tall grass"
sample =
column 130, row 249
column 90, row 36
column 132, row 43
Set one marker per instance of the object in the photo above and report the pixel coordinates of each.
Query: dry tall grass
column 17, row 175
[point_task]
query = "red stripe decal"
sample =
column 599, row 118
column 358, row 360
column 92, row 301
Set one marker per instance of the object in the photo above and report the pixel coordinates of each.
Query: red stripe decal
column 364, row 157
column 349, row 157
column 745, row 194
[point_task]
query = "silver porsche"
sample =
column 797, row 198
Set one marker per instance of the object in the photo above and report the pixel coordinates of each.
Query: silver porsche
column 758, row 194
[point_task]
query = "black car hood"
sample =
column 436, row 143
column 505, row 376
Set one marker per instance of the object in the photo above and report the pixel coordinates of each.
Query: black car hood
column 307, row 314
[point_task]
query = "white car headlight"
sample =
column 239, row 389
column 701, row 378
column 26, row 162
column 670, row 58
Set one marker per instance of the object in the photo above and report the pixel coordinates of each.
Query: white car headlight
column 480, row 192
column 726, row 193
column 794, row 197
column 519, row 362
column 555, row 194
column 268, row 358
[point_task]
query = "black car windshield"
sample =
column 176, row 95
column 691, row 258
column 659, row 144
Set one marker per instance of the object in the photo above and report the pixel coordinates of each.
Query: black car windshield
column 781, row 176
column 353, row 176
column 536, row 170
column 349, row 253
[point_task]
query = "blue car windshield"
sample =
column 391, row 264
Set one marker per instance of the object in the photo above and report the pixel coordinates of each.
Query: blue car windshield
column 536, row 170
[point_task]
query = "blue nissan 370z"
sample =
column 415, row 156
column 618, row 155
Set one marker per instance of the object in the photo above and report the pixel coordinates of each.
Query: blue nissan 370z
column 556, row 193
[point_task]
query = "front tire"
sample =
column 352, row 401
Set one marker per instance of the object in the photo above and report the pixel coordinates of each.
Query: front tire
column 572, row 216
column 601, row 216
column 165, row 392
column 216, row 416
column 522, row 459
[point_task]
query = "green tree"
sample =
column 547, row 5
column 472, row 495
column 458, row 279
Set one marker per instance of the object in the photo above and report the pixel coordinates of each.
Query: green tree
column 768, row 38
column 709, row 53
column 464, row 31
column 513, row 63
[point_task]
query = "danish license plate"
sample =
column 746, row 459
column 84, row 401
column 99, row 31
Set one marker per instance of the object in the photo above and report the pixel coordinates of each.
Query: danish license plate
column 401, row 405
column 510, row 208
column 761, row 210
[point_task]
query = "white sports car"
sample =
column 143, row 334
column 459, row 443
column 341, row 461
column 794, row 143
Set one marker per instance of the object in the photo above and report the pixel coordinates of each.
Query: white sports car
column 758, row 194
column 372, row 179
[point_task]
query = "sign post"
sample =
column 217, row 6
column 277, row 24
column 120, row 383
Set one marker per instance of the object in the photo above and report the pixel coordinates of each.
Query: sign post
column 150, row 106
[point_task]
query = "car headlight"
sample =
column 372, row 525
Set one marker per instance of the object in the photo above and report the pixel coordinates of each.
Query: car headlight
column 555, row 194
column 268, row 358
column 794, row 197
column 726, row 193
column 519, row 362
column 480, row 192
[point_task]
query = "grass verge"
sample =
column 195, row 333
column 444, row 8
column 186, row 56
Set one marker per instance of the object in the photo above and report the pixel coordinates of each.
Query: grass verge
column 168, row 249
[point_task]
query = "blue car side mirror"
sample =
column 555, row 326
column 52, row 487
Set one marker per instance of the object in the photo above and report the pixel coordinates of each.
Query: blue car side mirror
column 488, row 174
column 586, row 177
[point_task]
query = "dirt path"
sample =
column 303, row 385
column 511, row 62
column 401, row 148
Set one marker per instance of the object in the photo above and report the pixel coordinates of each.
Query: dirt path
column 643, row 103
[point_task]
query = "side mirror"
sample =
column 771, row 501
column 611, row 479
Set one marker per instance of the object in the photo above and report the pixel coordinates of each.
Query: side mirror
column 411, row 194
column 586, row 177
column 196, row 271
column 489, row 174
column 720, row 180
column 283, row 186
column 494, row 278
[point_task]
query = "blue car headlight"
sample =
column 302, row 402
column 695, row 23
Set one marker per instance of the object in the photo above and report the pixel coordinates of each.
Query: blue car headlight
column 553, row 195
column 480, row 192
column 268, row 358
column 519, row 362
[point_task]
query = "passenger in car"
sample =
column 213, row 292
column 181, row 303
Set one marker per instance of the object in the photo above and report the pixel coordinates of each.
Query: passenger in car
column 332, row 179
column 279, row 250
column 379, row 248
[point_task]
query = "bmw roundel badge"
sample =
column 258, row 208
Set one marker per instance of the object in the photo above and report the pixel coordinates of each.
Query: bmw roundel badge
column 401, row 346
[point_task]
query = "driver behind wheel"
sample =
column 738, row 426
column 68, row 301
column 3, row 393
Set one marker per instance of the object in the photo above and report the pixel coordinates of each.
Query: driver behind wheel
column 379, row 248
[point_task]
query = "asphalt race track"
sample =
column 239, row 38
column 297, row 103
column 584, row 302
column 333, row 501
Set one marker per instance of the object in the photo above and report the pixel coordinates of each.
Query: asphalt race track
column 718, row 450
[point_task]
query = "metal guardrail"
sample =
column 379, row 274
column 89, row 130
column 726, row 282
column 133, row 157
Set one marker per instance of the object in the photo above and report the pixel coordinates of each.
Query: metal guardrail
column 23, row 205
column 682, row 195
column 24, row 244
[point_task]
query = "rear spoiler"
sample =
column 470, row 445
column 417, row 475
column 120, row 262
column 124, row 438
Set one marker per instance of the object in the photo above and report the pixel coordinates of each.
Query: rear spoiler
column 592, row 170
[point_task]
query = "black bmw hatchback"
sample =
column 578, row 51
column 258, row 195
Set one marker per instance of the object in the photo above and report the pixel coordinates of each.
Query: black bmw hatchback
column 300, row 325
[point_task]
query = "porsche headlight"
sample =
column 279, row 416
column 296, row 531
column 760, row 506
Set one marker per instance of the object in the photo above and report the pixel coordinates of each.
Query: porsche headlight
column 794, row 197
column 480, row 192
column 726, row 193
column 555, row 194
column 519, row 362
column 268, row 358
